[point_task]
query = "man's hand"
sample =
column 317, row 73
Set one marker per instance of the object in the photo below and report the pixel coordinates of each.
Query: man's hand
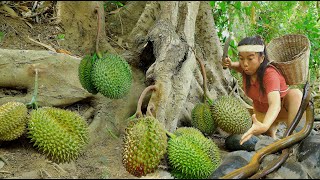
column 257, row 128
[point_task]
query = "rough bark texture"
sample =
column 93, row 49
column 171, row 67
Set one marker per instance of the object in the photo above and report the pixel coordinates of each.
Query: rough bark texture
column 58, row 80
column 175, row 70
column 81, row 20
column 160, row 39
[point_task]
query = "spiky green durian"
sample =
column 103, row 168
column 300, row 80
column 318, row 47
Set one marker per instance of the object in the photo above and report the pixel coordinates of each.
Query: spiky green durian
column 60, row 134
column 13, row 119
column 112, row 76
column 15, row 133
column 230, row 115
column 202, row 119
column 85, row 73
column 145, row 144
column 188, row 130
column 192, row 156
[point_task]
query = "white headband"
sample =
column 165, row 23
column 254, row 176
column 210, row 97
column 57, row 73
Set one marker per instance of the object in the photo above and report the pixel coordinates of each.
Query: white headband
column 251, row 48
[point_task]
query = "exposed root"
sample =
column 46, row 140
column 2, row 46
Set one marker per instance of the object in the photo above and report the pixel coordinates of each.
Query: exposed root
column 44, row 174
column 4, row 160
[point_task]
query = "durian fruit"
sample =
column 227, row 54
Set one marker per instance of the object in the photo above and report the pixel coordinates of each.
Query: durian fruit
column 188, row 130
column 202, row 119
column 13, row 120
column 85, row 73
column 112, row 76
column 192, row 156
column 230, row 115
column 60, row 134
column 145, row 144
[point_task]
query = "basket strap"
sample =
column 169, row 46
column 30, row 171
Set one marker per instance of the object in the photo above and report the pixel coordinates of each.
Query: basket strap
column 278, row 70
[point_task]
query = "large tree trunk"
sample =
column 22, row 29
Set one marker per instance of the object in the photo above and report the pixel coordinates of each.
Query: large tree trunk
column 164, row 44
column 160, row 38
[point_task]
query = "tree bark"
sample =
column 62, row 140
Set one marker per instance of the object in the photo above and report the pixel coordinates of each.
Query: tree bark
column 161, row 44
column 79, row 20
column 58, row 80
column 180, row 27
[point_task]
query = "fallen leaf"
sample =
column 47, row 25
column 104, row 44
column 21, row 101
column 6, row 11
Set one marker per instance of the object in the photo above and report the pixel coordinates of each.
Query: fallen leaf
column 63, row 51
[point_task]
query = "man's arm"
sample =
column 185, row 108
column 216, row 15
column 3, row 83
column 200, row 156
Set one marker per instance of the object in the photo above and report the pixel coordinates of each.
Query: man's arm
column 271, row 115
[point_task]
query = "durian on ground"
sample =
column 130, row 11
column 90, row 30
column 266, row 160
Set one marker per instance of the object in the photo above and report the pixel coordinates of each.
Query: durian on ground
column 60, row 134
column 13, row 120
column 191, row 155
column 202, row 119
column 144, row 145
column 231, row 116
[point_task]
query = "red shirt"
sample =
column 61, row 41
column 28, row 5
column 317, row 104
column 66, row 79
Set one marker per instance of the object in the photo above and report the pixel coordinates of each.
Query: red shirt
column 273, row 80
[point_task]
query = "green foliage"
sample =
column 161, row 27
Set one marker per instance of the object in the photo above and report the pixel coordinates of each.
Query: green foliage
column 112, row 3
column 60, row 36
column 1, row 35
column 269, row 19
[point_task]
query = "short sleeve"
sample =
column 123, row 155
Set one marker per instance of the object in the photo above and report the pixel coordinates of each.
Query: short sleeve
column 271, row 80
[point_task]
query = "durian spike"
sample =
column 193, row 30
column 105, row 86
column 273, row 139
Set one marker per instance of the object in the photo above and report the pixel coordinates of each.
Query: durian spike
column 33, row 103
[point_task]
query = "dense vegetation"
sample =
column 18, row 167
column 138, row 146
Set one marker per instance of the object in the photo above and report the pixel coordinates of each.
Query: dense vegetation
column 269, row 19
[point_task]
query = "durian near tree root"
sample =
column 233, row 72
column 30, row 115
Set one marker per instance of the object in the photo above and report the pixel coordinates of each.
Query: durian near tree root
column 145, row 142
column 58, row 133
column 192, row 155
column 202, row 119
column 144, row 146
column 201, row 114
column 231, row 116
column 13, row 120
column 108, row 74
column 188, row 130
column 112, row 76
column 85, row 73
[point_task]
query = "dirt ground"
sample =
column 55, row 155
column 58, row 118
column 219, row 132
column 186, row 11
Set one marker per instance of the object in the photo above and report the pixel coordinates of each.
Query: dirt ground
column 101, row 159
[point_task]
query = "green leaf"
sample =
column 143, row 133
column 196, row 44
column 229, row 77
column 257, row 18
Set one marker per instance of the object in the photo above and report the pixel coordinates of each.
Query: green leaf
column 2, row 34
column 60, row 36
column 223, row 6
column 237, row 5
column 212, row 4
